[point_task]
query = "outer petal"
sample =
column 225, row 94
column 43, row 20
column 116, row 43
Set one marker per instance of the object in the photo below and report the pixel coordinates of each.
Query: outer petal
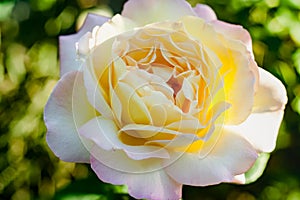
column 261, row 127
column 233, row 31
column 231, row 156
column 151, row 185
column 205, row 12
column 255, row 172
column 149, row 11
column 62, row 135
column 271, row 94
column 68, row 56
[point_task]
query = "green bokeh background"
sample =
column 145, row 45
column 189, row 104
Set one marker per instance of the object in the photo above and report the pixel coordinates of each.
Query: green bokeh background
column 29, row 69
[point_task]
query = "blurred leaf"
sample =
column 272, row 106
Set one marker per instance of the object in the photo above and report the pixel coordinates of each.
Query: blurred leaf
column 42, row 5
column 296, row 104
column 83, row 197
column 6, row 9
column 92, row 187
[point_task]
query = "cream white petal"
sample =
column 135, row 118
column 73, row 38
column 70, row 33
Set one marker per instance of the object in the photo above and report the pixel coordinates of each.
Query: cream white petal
column 68, row 108
column 146, row 131
column 95, row 95
column 134, row 109
column 104, row 133
column 261, row 129
column 232, row 155
column 113, row 27
column 262, row 126
column 239, row 71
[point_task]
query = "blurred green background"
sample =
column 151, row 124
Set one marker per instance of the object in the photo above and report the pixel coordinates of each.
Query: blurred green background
column 29, row 68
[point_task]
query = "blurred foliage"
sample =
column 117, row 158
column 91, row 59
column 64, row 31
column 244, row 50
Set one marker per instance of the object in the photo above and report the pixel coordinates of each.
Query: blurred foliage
column 29, row 68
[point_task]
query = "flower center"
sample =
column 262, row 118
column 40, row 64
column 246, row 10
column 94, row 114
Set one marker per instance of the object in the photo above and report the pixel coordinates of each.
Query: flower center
column 161, row 87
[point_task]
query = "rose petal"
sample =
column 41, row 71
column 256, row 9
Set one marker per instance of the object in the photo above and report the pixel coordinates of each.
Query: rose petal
column 261, row 127
column 152, row 185
column 232, row 155
column 238, row 67
column 115, row 26
column 255, row 171
column 187, row 126
column 104, row 133
column 180, row 141
column 146, row 131
column 149, row 11
column 271, row 94
column 101, row 131
column 205, row 12
column 239, row 179
column 67, row 51
column 134, row 109
column 66, row 109
column 233, row 31
column 95, row 97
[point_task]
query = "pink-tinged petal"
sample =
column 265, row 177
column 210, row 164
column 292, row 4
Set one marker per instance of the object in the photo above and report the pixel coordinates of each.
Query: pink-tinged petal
column 232, row 155
column 205, row 12
column 153, row 185
column 235, row 32
column 149, row 11
column 262, row 126
column 120, row 161
column 67, row 51
column 66, row 109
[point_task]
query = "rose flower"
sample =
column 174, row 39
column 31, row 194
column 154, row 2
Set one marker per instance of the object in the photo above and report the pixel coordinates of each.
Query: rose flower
column 160, row 96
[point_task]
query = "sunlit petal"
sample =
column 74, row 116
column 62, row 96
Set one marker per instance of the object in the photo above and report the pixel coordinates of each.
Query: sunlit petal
column 231, row 156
